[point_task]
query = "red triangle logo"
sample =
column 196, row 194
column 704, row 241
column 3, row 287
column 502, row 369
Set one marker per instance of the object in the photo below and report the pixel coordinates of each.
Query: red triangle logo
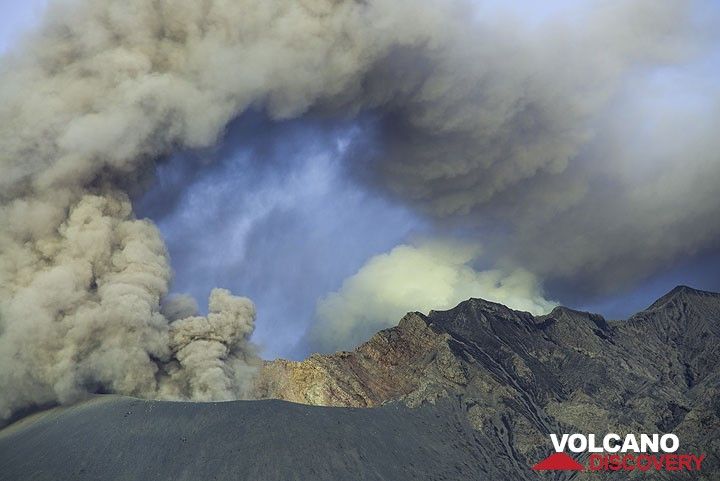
column 558, row 462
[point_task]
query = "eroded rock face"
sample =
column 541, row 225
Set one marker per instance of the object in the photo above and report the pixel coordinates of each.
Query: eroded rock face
column 521, row 377
column 394, row 363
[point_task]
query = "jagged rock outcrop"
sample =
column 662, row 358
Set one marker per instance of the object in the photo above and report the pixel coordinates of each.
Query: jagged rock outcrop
column 522, row 377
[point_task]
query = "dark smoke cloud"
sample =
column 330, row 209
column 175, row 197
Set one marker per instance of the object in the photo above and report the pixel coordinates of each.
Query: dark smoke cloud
column 584, row 152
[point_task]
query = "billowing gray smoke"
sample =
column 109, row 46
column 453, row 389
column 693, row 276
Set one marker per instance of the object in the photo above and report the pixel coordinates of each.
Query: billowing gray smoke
column 106, row 88
column 83, row 312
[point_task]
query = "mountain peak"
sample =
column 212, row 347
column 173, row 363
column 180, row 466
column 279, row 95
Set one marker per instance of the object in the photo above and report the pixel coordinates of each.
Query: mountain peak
column 476, row 304
column 472, row 317
column 565, row 315
column 681, row 292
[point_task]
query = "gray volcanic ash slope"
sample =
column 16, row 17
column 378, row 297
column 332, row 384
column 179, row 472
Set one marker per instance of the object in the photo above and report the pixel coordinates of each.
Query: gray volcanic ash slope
column 469, row 393
column 120, row 438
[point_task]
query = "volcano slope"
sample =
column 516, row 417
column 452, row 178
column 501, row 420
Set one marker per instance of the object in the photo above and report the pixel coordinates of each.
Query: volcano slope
column 118, row 438
column 469, row 393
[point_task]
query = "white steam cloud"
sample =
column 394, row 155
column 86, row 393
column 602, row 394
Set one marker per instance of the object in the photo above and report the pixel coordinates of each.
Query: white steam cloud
column 435, row 275
column 106, row 88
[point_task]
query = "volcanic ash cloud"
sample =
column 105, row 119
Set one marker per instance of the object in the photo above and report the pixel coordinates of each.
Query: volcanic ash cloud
column 106, row 88
column 84, row 315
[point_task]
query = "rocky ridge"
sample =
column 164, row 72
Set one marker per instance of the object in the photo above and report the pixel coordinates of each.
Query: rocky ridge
column 520, row 378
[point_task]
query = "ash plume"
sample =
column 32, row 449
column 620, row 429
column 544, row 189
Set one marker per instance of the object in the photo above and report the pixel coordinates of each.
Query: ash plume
column 83, row 315
column 106, row 89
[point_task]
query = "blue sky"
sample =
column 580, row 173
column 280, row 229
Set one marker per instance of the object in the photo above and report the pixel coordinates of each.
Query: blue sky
column 18, row 17
column 284, row 225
